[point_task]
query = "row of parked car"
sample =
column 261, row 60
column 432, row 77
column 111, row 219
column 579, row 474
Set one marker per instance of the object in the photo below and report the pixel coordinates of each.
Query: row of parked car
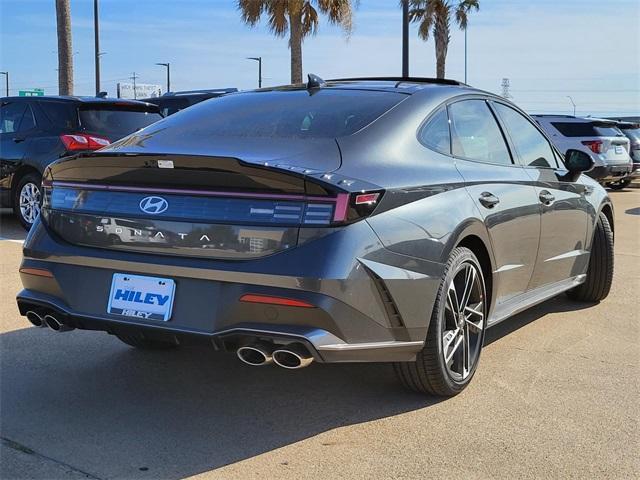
column 613, row 144
column 35, row 131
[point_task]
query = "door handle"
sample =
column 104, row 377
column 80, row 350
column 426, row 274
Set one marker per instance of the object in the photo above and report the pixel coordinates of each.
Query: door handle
column 488, row 199
column 546, row 197
column 18, row 139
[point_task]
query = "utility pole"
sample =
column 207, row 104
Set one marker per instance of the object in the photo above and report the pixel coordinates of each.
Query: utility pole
column 6, row 75
column 505, row 88
column 405, row 38
column 134, row 77
column 96, row 43
column 168, row 65
column 572, row 103
column 259, row 60
column 465, row 54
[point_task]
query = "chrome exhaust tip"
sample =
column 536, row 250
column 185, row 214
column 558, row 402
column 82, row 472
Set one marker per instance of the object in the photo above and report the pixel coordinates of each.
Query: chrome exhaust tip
column 292, row 358
column 35, row 319
column 256, row 354
column 56, row 325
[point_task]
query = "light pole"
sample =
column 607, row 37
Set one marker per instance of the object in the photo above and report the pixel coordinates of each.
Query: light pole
column 465, row 54
column 572, row 103
column 405, row 38
column 168, row 65
column 259, row 60
column 96, row 41
column 6, row 74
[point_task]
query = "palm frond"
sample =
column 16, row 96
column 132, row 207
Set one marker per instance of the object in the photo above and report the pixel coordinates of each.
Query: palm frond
column 462, row 12
column 339, row 12
column 278, row 16
column 251, row 10
column 309, row 19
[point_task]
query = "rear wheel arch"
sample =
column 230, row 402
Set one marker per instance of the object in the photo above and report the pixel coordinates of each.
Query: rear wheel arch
column 607, row 209
column 479, row 248
column 21, row 173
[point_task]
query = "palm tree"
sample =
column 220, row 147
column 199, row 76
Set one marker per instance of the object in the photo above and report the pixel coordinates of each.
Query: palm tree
column 65, row 55
column 299, row 18
column 436, row 15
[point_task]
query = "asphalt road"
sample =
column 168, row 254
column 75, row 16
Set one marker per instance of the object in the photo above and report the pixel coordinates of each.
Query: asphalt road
column 556, row 396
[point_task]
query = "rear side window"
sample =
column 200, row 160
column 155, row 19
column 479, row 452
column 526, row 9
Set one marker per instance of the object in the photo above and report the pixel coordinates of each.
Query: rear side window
column 10, row 116
column 28, row 120
column 63, row 115
column 324, row 113
column 475, row 134
column 435, row 134
column 113, row 122
column 586, row 129
column 532, row 147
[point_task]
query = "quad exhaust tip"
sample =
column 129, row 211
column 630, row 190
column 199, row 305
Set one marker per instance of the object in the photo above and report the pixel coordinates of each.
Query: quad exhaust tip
column 256, row 354
column 292, row 358
column 36, row 319
column 56, row 325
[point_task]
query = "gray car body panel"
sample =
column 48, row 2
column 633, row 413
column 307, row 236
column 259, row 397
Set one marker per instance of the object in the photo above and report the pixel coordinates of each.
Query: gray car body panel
column 429, row 207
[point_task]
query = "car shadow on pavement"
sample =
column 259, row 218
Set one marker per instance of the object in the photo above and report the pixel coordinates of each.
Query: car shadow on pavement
column 87, row 400
column 560, row 303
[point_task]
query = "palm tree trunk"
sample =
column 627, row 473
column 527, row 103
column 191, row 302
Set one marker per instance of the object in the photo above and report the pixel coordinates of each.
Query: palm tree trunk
column 441, row 37
column 295, row 44
column 65, row 50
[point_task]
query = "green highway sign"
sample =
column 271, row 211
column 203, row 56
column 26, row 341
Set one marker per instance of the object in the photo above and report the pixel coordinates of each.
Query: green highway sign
column 34, row 92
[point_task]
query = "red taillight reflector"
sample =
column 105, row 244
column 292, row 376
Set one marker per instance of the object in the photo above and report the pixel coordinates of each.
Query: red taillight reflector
column 39, row 272
column 367, row 198
column 82, row 141
column 268, row 299
column 594, row 145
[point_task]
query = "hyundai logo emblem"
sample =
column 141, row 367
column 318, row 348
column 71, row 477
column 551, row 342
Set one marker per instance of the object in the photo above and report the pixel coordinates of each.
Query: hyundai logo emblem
column 153, row 205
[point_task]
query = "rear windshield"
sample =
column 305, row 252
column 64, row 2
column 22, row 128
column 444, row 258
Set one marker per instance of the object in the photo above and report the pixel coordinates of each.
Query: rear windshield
column 322, row 113
column 113, row 122
column 586, row 129
column 172, row 105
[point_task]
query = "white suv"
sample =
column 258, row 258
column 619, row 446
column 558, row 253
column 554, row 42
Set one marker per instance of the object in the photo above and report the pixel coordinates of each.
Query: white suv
column 601, row 139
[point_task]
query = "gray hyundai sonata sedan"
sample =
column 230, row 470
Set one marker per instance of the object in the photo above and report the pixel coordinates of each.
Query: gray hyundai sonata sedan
column 351, row 220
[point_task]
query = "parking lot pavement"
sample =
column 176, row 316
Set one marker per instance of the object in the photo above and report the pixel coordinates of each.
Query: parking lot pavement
column 556, row 396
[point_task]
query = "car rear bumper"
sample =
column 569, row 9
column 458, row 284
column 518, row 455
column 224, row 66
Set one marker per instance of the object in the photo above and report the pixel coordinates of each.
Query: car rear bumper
column 348, row 277
column 606, row 173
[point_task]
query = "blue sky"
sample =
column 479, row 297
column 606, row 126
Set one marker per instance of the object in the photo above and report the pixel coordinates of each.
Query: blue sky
column 588, row 49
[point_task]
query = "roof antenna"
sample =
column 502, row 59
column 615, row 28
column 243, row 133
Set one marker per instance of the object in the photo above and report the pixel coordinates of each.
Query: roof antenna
column 315, row 82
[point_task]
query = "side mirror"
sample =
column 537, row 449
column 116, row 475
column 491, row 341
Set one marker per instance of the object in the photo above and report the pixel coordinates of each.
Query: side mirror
column 577, row 161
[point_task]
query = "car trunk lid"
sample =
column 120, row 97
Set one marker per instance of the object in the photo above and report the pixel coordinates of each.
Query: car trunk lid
column 217, row 207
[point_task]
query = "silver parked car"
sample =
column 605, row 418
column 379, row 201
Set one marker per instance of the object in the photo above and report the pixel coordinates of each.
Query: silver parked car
column 601, row 139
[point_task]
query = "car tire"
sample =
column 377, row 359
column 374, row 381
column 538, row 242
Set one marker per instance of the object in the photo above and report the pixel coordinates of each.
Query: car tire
column 597, row 285
column 27, row 198
column 620, row 184
column 146, row 343
column 431, row 373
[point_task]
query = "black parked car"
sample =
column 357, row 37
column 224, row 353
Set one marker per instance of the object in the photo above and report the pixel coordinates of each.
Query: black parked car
column 35, row 131
column 360, row 220
column 172, row 102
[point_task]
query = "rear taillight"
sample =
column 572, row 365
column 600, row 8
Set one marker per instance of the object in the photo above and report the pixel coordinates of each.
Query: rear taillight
column 354, row 206
column 594, row 145
column 82, row 141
